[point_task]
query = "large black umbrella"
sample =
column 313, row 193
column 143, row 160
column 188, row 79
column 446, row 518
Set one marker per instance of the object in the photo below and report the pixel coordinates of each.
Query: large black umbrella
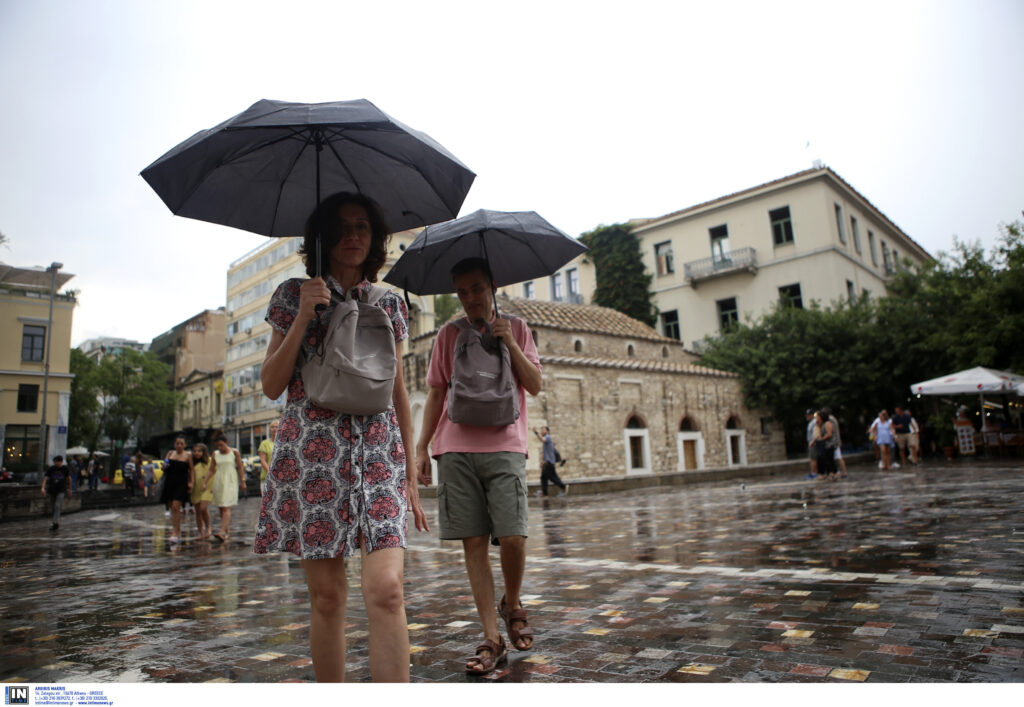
column 518, row 246
column 265, row 170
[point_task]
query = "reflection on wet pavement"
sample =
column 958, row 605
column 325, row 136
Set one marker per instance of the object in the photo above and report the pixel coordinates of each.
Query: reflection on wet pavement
column 880, row 578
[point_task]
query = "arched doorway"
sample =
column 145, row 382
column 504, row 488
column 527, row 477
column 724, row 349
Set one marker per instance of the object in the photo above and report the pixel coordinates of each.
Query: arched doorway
column 638, row 446
column 735, row 442
column 689, row 445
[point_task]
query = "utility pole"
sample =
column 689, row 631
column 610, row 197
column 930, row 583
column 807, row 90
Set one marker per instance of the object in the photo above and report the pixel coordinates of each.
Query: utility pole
column 43, row 431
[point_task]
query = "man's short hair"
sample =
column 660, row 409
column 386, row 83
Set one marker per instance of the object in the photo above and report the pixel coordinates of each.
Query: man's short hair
column 58, row 458
column 468, row 265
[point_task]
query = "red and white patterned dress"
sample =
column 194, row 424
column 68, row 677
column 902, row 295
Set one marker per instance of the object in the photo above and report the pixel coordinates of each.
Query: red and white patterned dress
column 332, row 475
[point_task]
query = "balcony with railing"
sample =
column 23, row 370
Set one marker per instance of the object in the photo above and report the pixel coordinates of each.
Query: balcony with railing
column 736, row 261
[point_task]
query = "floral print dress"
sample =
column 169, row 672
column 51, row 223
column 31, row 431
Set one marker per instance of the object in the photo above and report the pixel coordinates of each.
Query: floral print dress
column 333, row 477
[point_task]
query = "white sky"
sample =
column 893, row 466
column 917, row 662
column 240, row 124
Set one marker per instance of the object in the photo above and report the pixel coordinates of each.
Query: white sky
column 586, row 112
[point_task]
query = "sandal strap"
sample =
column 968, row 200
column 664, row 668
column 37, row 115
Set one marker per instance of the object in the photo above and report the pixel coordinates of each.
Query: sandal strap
column 489, row 645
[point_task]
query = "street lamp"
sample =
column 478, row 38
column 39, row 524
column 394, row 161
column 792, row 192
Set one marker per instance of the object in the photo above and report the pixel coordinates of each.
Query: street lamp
column 43, row 436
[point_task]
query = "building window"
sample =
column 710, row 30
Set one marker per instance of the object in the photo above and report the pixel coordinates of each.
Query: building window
column 572, row 276
column 886, row 258
column 577, row 346
column 33, row 341
column 789, row 295
column 21, row 448
column 528, row 291
column 670, row 324
column 839, row 224
column 895, row 260
column 851, row 292
column 719, row 243
column 728, row 314
column 556, row 287
column 782, row 225
column 631, row 350
column 28, row 397
column 663, row 258
column 856, row 233
column 871, row 247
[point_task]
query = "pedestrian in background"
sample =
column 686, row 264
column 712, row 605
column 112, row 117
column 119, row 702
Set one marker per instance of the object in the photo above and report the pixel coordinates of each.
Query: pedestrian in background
column 901, row 434
column 93, row 470
column 128, row 478
column 812, row 433
column 840, row 463
column 266, row 453
column 914, row 441
column 547, row 467
column 201, row 494
column 179, row 477
column 824, row 444
column 881, row 428
column 226, row 476
column 57, row 483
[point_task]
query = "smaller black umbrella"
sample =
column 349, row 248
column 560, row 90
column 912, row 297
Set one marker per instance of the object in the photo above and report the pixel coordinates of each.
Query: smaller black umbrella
column 518, row 246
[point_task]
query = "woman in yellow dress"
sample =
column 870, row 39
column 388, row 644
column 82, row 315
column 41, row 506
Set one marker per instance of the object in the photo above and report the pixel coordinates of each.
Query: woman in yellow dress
column 201, row 495
column 226, row 477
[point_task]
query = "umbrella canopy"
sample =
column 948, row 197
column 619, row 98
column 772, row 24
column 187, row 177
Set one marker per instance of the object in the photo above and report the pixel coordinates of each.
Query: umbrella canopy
column 76, row 451
column 265, row 169
column 973, row 380
column 518, row 246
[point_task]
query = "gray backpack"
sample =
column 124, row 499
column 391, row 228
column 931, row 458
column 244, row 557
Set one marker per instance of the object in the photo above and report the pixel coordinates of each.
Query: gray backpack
column 482, row 391
column 355, row 371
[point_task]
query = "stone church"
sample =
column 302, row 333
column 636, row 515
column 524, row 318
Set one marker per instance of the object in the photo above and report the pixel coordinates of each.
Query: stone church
column 622, row 399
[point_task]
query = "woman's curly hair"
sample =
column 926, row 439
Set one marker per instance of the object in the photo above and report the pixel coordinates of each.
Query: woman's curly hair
column 325, row 219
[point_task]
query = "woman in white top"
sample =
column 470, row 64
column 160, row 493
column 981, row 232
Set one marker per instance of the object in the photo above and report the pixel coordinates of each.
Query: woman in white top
column 225, row 481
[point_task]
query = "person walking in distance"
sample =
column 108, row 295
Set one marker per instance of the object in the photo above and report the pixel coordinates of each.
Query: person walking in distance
column 225, row 478
column 547, row 466
column 812, row 452
column 882, row 430
column 840, row 463
column 57, row 483
column 266, row 452
column 901, row 433
column 482, row 468
column 202, row 496
column 339, row 484
column 179, row 478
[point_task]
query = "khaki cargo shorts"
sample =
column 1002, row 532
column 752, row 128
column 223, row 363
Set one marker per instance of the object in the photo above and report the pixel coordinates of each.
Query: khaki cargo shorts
column 481, row 494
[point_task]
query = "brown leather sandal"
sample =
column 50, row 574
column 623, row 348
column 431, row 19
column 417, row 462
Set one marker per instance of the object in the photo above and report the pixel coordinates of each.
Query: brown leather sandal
column 486, row 664
column 510, row 615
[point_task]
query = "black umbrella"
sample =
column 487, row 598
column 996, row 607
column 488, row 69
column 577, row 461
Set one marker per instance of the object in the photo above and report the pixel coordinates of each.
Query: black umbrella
column 517, row 245
column 265, row 169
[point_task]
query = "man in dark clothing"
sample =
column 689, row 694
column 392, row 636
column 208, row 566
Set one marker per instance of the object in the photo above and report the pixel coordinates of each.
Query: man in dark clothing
column 901, row 430
column 57, row 483
column 547, row 466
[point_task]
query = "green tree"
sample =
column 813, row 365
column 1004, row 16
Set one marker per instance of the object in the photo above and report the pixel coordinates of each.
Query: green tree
column 84, row 407
column 444, row 307
column 622, row 283
column 136, row 395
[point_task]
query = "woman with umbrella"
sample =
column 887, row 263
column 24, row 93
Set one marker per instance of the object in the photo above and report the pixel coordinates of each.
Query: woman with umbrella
column 338, row 483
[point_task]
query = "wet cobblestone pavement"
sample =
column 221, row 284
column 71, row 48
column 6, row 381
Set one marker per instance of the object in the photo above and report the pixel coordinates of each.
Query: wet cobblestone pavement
column 901, row 577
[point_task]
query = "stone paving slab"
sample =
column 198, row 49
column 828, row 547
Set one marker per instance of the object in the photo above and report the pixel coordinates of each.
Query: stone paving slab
column 897, row 577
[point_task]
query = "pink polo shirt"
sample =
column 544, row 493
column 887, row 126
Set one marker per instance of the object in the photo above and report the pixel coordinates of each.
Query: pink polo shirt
column 453, row 437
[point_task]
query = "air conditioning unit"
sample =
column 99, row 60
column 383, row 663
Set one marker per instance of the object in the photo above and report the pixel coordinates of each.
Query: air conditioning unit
column 249, row 330
column 230, row 339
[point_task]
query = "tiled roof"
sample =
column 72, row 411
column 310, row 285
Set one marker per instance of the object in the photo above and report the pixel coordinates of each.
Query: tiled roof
column 588, row 318
column 656, row 366
column 805, row 174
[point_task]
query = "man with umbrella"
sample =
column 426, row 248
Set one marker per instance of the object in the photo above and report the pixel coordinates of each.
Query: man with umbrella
column 482, row 469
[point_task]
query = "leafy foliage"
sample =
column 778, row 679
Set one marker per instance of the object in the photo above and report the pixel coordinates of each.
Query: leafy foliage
column 622, row 283
column 444, row 307
column 124, row 396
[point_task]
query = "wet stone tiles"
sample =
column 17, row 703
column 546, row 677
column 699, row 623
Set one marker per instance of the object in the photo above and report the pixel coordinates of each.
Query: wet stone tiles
column 898, row 577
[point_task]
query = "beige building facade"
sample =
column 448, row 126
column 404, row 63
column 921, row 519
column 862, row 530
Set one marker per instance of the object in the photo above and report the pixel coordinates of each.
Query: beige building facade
column 809, row 236
column 25, row 295
column 251, row 281
column 200, row 411
column 196, row 344
column 621, row 399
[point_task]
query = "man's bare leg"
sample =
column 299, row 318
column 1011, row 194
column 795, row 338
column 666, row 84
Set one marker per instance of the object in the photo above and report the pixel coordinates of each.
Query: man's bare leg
column 513, row 566
column 481, row 581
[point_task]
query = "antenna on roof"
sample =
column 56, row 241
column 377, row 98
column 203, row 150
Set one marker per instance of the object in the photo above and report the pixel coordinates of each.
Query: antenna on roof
column 818, row 164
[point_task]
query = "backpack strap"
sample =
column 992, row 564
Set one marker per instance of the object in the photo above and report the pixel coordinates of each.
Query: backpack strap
column 376, row 294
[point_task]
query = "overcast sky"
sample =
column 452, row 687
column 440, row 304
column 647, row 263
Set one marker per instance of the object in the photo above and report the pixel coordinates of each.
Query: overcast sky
column 586, row 112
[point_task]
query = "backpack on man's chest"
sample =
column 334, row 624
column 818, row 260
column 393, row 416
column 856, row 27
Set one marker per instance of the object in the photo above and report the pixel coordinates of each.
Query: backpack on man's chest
column 356, row 372
column 482, row 391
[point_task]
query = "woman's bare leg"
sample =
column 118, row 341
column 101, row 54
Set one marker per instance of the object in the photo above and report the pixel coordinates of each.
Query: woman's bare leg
column 385, row 611
column 328, row 591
